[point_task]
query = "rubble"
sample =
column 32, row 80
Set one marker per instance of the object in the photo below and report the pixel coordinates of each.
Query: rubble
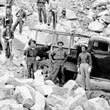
column 37, row 94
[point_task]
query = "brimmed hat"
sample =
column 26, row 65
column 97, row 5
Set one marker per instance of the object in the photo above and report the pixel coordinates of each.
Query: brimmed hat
column 60, row 42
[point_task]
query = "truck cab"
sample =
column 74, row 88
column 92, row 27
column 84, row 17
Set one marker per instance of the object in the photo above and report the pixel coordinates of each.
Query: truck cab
column 99, row 47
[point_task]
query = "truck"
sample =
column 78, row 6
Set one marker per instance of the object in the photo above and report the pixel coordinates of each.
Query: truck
column 98, row 47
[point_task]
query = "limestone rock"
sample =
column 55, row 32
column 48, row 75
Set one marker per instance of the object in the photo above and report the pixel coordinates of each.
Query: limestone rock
column 6, row 92
column 96, row 26
column 28, row 103
column 99, row 3
column 40, row 99
column 96, row 104
column 70, row 84
column 53, row 100
column 106, row 19
column 49, row 82
column 78, row 108
column 72, row 102
column 39, row 79
column 22, row 93
column 70, row 14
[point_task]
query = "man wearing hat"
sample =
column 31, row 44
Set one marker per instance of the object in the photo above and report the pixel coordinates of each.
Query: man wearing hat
column 84, row 66
column 57, row 57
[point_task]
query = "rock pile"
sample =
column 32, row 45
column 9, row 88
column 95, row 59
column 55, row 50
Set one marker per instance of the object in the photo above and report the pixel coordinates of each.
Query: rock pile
column 37, row 94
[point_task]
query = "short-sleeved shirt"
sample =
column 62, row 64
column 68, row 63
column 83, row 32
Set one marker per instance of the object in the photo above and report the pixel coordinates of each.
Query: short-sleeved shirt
column 58, row 54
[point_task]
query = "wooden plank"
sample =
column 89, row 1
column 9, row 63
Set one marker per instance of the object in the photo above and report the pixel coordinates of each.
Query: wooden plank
column 61, row 33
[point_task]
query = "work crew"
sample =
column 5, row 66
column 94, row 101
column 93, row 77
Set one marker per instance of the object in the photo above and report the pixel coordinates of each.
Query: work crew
column 84, row 67
column 58, row 57
column 9, row 4
column 21, row 17
column 8, row 36
column 30, row 56
column 53, row 8
column 8, row 19
column 42, row 10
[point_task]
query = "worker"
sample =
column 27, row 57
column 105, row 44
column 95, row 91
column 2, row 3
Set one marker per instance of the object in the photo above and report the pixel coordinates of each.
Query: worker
column 9, row 4
column 21, row 18
column 84, row 67
column 42, row 10
column 8, row 36
column 8, row 19
column 30, row 56
column 58, row 58
column 53, row 10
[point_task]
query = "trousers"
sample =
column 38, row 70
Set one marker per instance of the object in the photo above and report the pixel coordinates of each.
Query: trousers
column 58, row 72
column 31, row 67
column 85, row 76
column 54, row 15
column 20, row 22
column 42, row 11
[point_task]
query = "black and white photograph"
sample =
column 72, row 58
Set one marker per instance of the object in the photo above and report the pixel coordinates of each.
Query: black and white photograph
column 54, row 54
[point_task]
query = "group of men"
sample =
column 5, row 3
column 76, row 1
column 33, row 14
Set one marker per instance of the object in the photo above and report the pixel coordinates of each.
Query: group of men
column 58, row 56
column 9, row 27
column 51, row 13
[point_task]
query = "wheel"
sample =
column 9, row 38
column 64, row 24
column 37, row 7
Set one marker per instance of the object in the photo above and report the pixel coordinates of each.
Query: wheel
column 47, row 65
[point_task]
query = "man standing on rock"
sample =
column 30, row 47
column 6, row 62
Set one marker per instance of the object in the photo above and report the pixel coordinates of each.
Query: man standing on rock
column 84, row 66
column 8, row 36
column 8, row 19
column 9, row 4
column 58, row 57
column 21, row 17
column 53, row 8
column 42, row 10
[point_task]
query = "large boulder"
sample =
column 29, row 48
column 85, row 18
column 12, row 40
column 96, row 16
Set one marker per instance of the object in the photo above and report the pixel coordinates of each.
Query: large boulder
column 10, row 104
column 105, row 12
column 70, row 14
column 39, row 99
column 39, row 78
column 22, row 93
column 105, row 19
column 72, row 102
column 6, row 91
column 97, row 3
column 96, row 104
column 96, row 26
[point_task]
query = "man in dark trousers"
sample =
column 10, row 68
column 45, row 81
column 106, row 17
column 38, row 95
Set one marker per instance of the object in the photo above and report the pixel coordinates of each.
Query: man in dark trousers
column 8, row 36
column 58, row 57
column 42, row 10
column 84, row 66
column 21, row 17
column 30, row 56
column 8, row 19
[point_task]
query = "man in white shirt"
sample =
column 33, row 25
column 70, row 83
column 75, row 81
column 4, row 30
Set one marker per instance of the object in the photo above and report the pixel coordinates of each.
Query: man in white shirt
column 53, row 7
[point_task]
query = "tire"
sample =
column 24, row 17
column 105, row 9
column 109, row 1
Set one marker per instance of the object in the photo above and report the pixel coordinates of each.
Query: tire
column 49, row 65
